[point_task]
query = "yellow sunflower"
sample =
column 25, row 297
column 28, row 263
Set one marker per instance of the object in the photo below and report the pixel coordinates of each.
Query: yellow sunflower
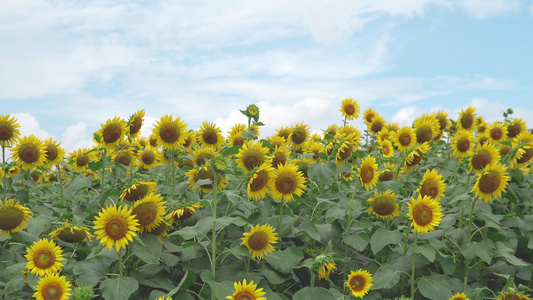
column 236, row 139
column 482, row 156
column 347, row 176
column 384, row 205
column 387, row 174
column 276, row 141
column 80, row 159
column 13, row 217
column 426, row 128
column 425, row 214
column 368, row 173
column 516, row 127
column 385, row 135
column 29, row 152
column 148, row 158
column 491, row 182
column 359, row 282
column 299, row 135
column 44, row 257
column 313, row 147
column 442, row 119
column 115, row 226
column 247, row 291
column 325, row 269
column 462, row 144
column 332, row 130
column 368, row 115
column 251, row 155
column 134, row 124
column 376, row 125
column 71, row 234
column 512, row 296
column 352, row 133
column 183, row 212
column 149, row 212
column 164, row 298
column 432, row 185
column 349, row 109
column 280, row 156
column 111, row 133
column 9, row 130
column 467, row 119
column 13, row 171
column 210, row 136
column 52, row 287
column 415, row 156
column 202, row 155
column 53, row 153
column 169, row 132
column 284, row 132
column 522, row 155
column 124, row 157
column 138, row 190
column 160, row 231
column 258, row 185
column 393, row 127
column 190, row 140
column 459, row 296
column 287, row 182
column 259, row 240
column 386, row 148
column 344, row 152
column 405, row 138
column 497, row 131
column 205, row 172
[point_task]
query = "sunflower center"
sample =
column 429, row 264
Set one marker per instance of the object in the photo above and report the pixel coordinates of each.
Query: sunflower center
column 467, row 121
column 124, row 158
column 145, row 213
column 422, row 214
column 357, row 283
column 377, row 126
column 513, row 130
column 345, row 153
column 116, row 227
column 385, row 150
column 136, row 193
column 526, row 156
column 383, row 206
column 367, row 173
column 512, row 297
column 6, row 131
column 210, row 136
column 405, row 139
column 490, row 182
column 442, row 122
column 463, row 144
column 424, row 134
column 202, row 157
column 279, row 159
column 252, row 159
column 112, row 133
column 159, row 229
column 286, row 183
column 386, row 175
column 369, row 117
column 10, row 218
column 44, row 258
column 504, row 150
column 52, row 291
column 50, row 152
column 481, row 159
column 169, row 132
column 29, row 153
column 260, row 181
column 244, row 295
column 258, row 241
column 299, row 135
column 82, row 160
column 417, row 158
column 496, row 133
column 430, row 187
column 349, row 109
column 147, row 158
column 71, row 235
column 135, row 125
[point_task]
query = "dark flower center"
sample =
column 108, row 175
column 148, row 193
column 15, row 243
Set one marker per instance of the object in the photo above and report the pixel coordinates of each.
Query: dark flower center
column 52, row 291
column 169, row 133
column 299, row 135
column 481, row 159
column 260, row 181
column 463, row 144
column 29, row 153
column 116, row 227
column 422, row 214
column 383, row 206
column 467, row 120
column 258, row 241
column 112, row 133
column 10, row 218
column 252, row 159
column 405, row 139
column 135, row 125
column 44, row 258
column 286, row 183
column 367, row 173
column 430, row 187
column 210, row 136
column 424, row 134
column 357, row 283
column 145, row 213
column 349, row 109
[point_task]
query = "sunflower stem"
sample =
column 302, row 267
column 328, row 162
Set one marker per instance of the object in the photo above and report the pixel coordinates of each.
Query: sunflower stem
column 469, row 234
column 104, row 156
column 60, row 179
column 120, row 264
column 213, row 233
column 312, row 279
column 173, row 168
column 413, row 269
column 463, row 206
column 280, row 223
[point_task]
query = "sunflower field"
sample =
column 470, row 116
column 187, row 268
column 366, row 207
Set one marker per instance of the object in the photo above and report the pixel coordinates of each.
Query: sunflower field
column 442, row 209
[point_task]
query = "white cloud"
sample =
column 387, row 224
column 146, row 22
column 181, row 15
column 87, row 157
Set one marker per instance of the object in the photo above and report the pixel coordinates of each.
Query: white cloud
column 407, row 115
column 75, row 137
column 29, row 125
column 490, row 8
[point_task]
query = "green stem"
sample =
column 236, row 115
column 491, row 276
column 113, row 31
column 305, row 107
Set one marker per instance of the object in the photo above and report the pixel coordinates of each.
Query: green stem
column 280, row 223
column 463, row 205
column 413, row 269
column 312, row 279
column 174, row 171
column 60, row 179
column 104, row 158
column 213, row 233
column 469, row 234
column 120, row 263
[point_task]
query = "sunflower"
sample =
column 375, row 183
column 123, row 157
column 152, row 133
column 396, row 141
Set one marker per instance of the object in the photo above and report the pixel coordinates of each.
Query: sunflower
column 467, row 119
column 53, row 153
column 313, row 147
column 183, row 212
column 169, row 133
column 498, row 131
column 426, row 128
column 350, row 132
column 251, row 155
column 190, row 140
column 138, row 190
column 483, row 155
column 344, row 153
column 384, row 205
column 376, row 125
column 44, row 257
column 205, row 172
column 385, row 135
column 111, row 133
column 124, row 157
column 287, row 182
column 284, row 132
column 425, row 213
column 236, row 139
column 442, row 119
column 246, row 291
column 523, row 154
column 80, row 159
column 52, row 287
column 13, row 217
column 349, row 109
column 299, row 135
column 386, row 148
column 332, row 130
column 325, row 269
column 392, row 127
column 115, row 225
column 210, row 136
column 368, row 172
column 405, row 138
column 415, row 156
column 276, row 141
column 202, row 155
column 9, row 130
column 259, row 240
column 71, row 234
column 260, row 181
column 516, row 127
column 148, row 158
column 164, row 298
column 29, row 152
column 387, row 174
column 512, row 296
column 160, row 231
column 134, row 124
column 368, row 115
column 149, row 212
column 347, row 176
column 459, row 296
column 12, row 171
column 359, row 282
column 432, row 185
column 491, row 182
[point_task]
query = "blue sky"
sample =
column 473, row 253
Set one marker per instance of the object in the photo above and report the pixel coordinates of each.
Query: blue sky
column 68, row 66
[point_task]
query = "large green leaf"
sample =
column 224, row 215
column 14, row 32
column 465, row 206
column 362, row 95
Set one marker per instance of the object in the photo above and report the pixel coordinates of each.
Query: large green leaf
column 80, row 182
column 117, row 288
column 483, row 249
column 222, row 289
column 308, row 293
column 358, row 241
column 434, row 287
column 323, row 173
column 383, row 237
column 285, row 260
column 308, row 229
column 385, row 278
column 186, row 281
column 150, row 252
column 90, row 271
column 508, row 255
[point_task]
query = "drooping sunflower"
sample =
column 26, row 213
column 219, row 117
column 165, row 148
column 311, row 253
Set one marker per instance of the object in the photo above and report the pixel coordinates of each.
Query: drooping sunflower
column 299, row 135
column 425, row 213
column 169, row 132
column 332, row 130
column 149, row 212
column 13, row 217
column 491, row 182
column 259, row 240
column 393, row 127
column 284, row 132
column 523, row 154
column 415, row 156
column 350, row 109
column 350, row 132
column 52, row 287
column 368, row 115
column 432, row 185
column 516, row 127
column 251, row 155
column 482, row 156
column 277, row 141
column 112, row 132
column 29, row 152
column 115, row 226
column 405, row 138
column 80, row 159
column 426, row 128
column 347, row 176
column 459, row 296
column 385, row 135
column 71, row 234
column 160, row 231
column 344, row 153
column 124, row 157
column 134, row 124
column 210, row 136
column 183, row 212
column 326, row 267
column 368, row 173
column 190, row 141
column 359, row 282
column 138, row 190
column 148, row 158
column 287, row 182
column 497, row 131
column 280, row 156
column 258, row 185
column 384, row 205
column 13, row 171
column 53, row 153
column 387, row 173
column 44, row 257
column 386, row 148
column 512, row 296
column 246, row 291
column 467, row 119
column 376, row 125
column 206, row 172
column 9, row 130
column 483, row 138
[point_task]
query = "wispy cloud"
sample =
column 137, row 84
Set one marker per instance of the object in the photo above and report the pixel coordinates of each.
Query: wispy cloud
column 490, row 8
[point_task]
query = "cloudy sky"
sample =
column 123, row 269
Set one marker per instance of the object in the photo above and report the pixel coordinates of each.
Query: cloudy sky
column 66, row 66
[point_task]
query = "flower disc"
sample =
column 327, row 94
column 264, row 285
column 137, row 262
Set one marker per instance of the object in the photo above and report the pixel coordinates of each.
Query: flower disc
column 13, row 217
column 384, row 205
column 9, row 130
column 287, row 182
column 350, row 109
column 359, row 282
column 149, row 212
column 138, row 191
column 259, row 240
column 115, row 226
column 368, row 172
column 44, row 257
column 425, row 214
column 491, row 182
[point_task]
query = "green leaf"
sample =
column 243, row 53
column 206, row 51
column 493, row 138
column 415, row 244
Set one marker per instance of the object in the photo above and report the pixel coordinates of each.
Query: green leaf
column 383, row 237
column 39, row 224
column 118, row 288
column 530, row 244
column 323, row 173
column 309, row 293
column 483, row 250
column 506, row 143
column 273, row 276
column 358, row 241
column 14, row 284
column 186, row 281
column 201, row 182
column 249, row 134
column 385, row 278
column 265, row 144
column 150, row 252
column 231, row 150
column 507, row 254
column 90, row 271
column 309, row 229
column 158, row 281
column 80, row 182
column 285, row 260
column 434, row 287
column 428, row 251
column 222, row 289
